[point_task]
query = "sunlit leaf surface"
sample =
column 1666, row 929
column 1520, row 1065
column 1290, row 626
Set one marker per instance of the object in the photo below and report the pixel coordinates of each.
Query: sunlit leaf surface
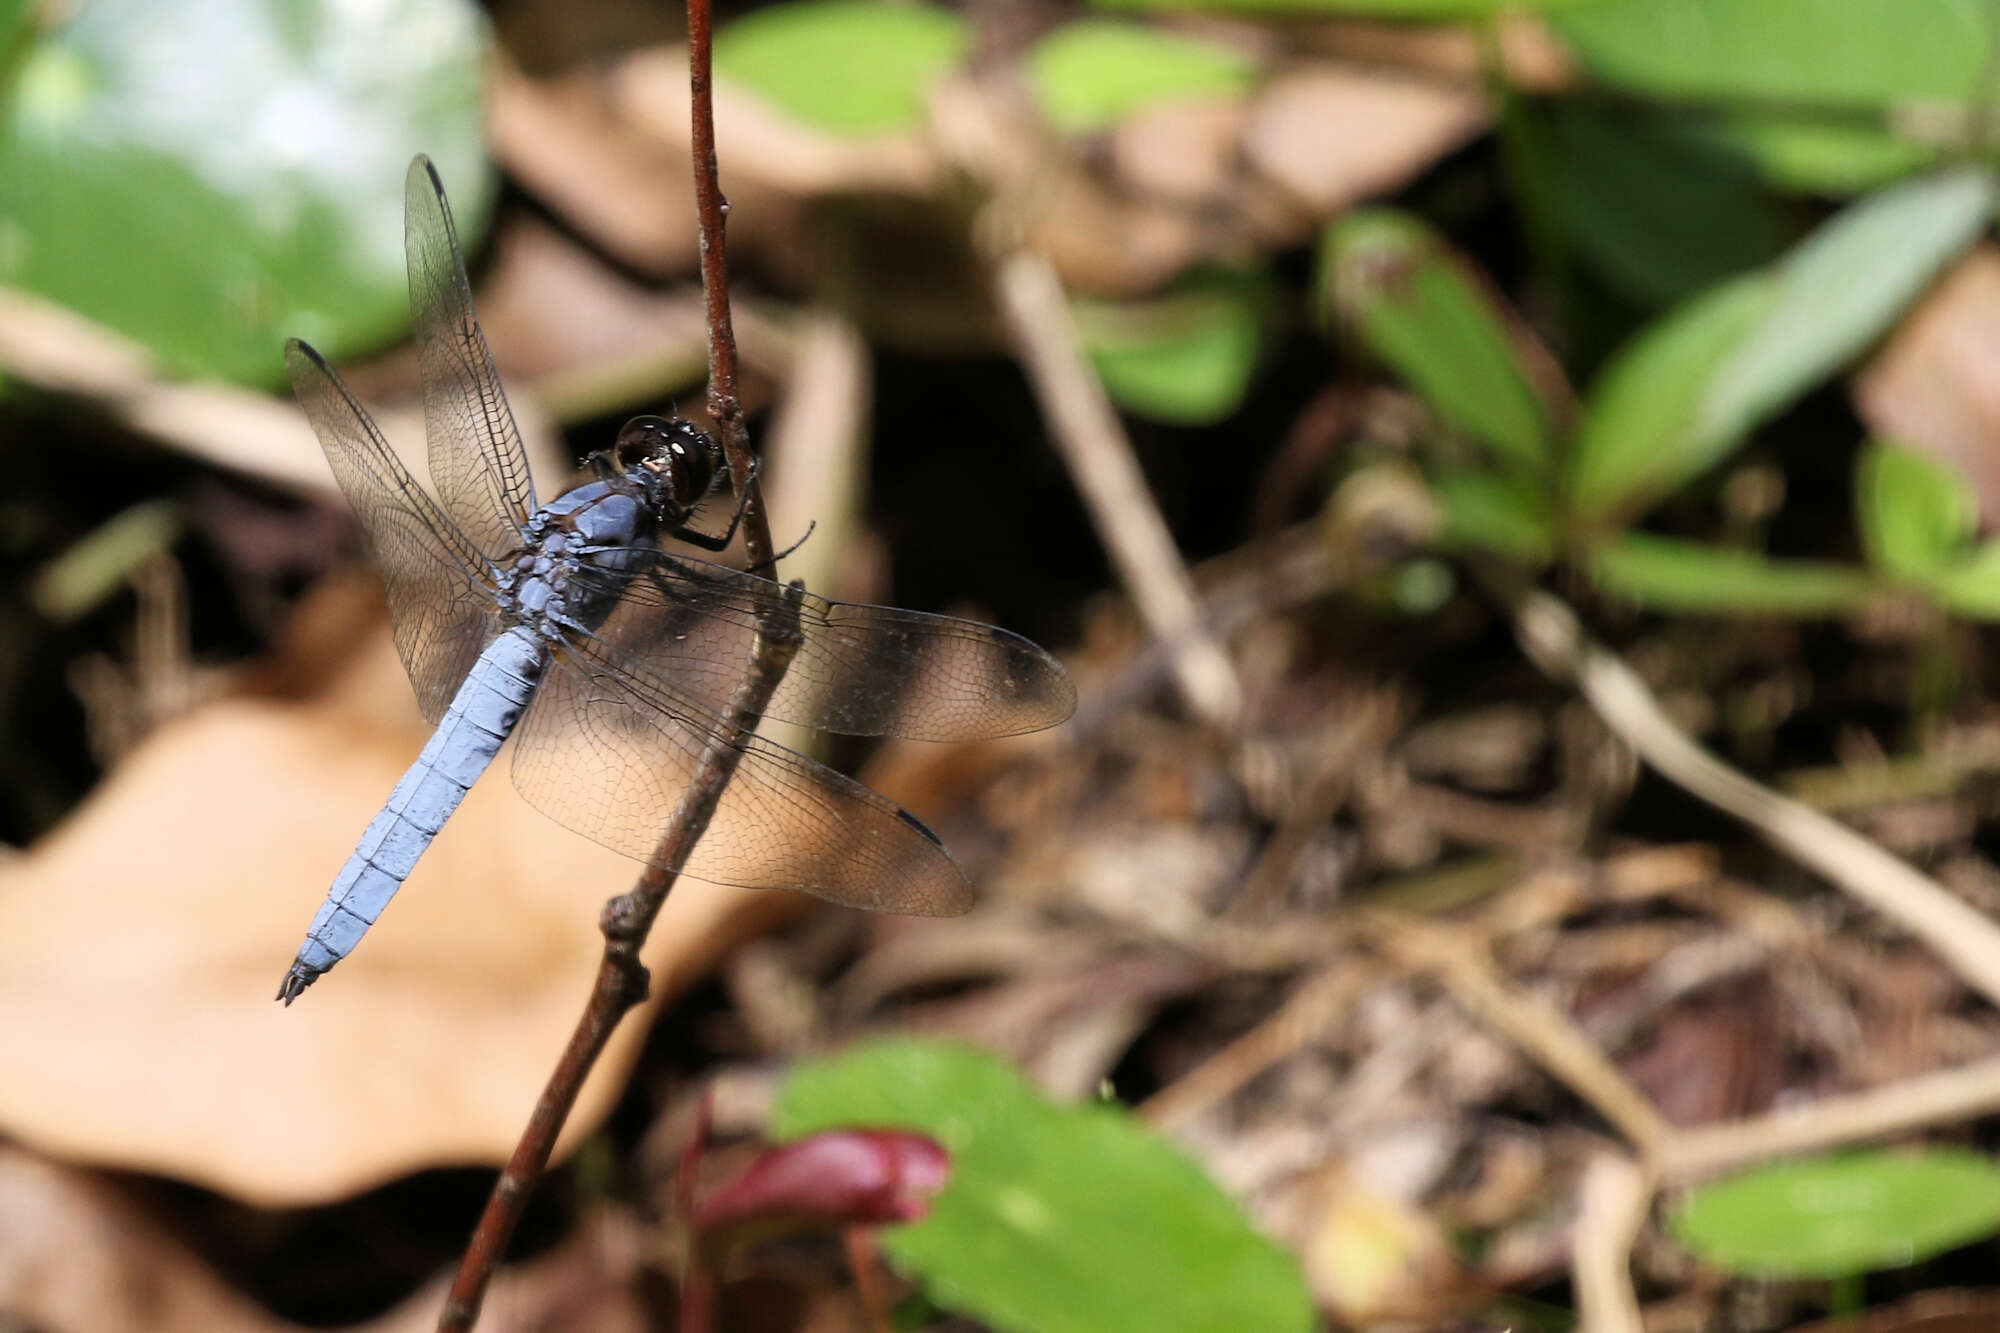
column 847, row 66
column 1691, row 387
column 1834, row 1216
column 1917, row 515
column 1184, row 357
column 214, row 176
column 1058, row 1219
column 1419, row 310
column 1844, row 51
column 1089, row 74
column 1695, row 579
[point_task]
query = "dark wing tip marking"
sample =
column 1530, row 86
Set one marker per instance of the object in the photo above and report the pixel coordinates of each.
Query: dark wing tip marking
column 919, row 826
column 298, row 349
column 422, row 163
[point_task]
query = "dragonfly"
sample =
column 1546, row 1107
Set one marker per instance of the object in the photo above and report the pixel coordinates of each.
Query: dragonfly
column 610, row 658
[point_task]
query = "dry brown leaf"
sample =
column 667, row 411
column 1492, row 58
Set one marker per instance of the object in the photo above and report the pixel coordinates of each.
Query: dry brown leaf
column 1332, row 135
column 73, row 1255
column 1935, row 383
column 1183, row 151
column 141, row 942
column 564, row 141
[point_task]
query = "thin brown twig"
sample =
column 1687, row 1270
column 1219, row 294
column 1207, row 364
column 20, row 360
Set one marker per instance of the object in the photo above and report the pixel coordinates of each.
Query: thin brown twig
column 622, row 979
column 723, row 403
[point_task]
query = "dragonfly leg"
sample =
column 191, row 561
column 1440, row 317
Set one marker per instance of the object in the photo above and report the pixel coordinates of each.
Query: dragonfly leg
column 766, row 566
column 688, row 533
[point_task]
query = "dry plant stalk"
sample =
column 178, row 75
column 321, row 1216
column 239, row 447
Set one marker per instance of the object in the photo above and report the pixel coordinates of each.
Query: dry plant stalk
column 626, row 920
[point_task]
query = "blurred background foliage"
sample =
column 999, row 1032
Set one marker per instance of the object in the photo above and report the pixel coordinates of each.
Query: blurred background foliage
column 1682, row 309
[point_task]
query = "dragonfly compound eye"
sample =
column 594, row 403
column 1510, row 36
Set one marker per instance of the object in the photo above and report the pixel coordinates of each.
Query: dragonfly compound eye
column 641, row 440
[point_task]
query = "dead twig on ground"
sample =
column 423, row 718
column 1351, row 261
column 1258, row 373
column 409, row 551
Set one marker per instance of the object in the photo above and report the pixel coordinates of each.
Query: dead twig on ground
column 1965, row 939
column 1612, row 1204
column 1099, row 456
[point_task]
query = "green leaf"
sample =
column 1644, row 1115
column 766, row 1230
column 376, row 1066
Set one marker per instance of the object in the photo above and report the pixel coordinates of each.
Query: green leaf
column 1831, row 1217
column 1389, row 9
column 1843, row 286
column 1819, row 154
column 1836, row 51
column 1418, row 309
column 1691, row 578
column 210, row 178
column 854, row 67
column 1687, row 390
column 1972, row 587
column 1183, row 357
column 1490, row 513
column 1659, row 204
column 1090, row 74
column 1638, row 436
column 1056, row 1219
column 1917, row 515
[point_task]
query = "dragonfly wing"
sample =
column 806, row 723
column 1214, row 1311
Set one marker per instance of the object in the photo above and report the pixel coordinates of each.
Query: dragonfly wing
column 478, row 463
column 610, row 756
column 441, row 605
column 687, row 625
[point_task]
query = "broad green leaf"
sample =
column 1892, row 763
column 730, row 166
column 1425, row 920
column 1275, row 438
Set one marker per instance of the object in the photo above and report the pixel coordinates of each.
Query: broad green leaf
column 1490, row 513
column 1638, row 436
column 1690, row 578
column 1687, row 390
column 855, row 67
column 1842, row 287
column 1972, row 588
column 1831, row 1217
column 210, row 177
column 1655, row 201
column 1183, row 357
column 1055, row 1219
column 1418, row 309
column 1917, row 515
column 1090, row 74
column 1828, row 51
column 16, row 25
column 1389, row 9
column 1818, row 154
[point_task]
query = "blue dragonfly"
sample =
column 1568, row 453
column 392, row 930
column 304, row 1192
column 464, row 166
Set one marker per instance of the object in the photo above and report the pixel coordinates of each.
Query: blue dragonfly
column 611, row 659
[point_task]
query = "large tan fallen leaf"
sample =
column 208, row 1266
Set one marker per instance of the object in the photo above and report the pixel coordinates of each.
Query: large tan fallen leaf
column 1332, row 135
column 74, row 1256
column 1936, row 384
column 141, row 943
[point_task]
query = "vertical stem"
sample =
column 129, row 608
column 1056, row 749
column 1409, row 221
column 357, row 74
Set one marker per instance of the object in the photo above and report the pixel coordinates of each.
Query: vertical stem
column 723, row 403
column 621, row 978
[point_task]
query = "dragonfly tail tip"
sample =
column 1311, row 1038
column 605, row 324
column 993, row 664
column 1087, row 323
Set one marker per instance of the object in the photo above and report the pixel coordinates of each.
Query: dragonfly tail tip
column 293, row 985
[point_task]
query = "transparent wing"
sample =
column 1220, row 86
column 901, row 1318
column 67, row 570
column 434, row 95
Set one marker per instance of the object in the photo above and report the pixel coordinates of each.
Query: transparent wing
column 441, row 606
column 477, row 461
column 687, row 626
column 609, row 756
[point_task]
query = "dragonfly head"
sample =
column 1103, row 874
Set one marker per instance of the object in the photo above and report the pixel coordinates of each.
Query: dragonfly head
column 670, row 462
